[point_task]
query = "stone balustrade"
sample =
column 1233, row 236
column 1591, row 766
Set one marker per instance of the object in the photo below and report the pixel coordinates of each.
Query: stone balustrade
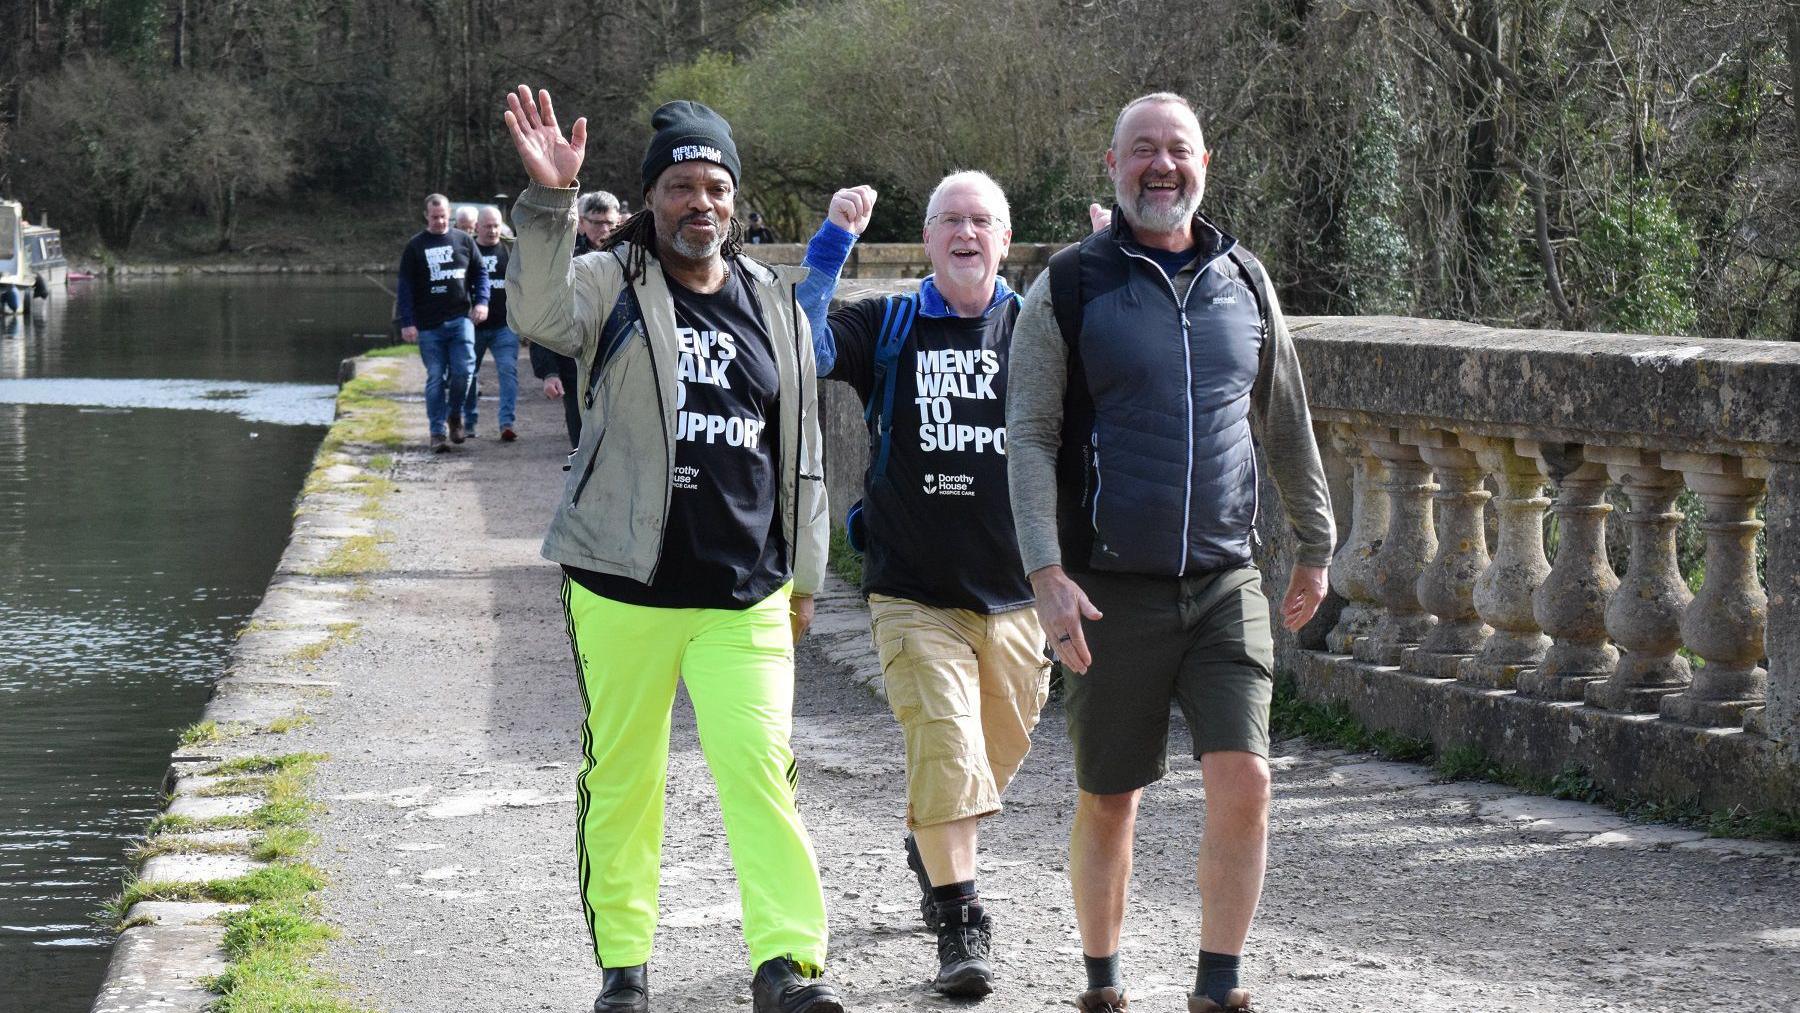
column 1444, row 437
column 1454, row 449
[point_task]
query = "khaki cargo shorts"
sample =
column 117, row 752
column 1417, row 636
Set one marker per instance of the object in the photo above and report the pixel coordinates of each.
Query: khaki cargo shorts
column 967, row 688
column 1202, row 641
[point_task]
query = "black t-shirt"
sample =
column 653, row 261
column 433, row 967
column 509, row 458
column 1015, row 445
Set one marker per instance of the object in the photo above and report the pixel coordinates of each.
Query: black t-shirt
column 722, row 546
column 940, row 525
column 434, row 272
column 496, row 257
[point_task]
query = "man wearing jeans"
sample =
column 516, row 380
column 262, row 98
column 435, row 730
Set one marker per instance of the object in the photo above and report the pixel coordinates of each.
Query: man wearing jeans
column 442, row 296
column 493, row 334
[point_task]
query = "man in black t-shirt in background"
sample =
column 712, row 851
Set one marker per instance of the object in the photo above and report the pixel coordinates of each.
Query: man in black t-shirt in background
column 962, row 654
column 441, row 297
column 493, row 334
column 759, row 233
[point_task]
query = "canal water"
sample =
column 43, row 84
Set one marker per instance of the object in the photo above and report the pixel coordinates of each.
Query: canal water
column 153, row 435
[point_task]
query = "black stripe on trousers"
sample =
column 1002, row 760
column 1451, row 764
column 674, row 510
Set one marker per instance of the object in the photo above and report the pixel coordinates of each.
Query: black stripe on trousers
column 583, row 867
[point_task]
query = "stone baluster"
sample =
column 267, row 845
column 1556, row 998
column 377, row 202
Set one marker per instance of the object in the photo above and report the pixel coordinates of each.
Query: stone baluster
column 1571, row 603
column 1446, row 588
column 1779, row 720
column 1353, row 569
column 1503, row 592
column 1726, row 621
column 1644, row 617
column 1409, row 544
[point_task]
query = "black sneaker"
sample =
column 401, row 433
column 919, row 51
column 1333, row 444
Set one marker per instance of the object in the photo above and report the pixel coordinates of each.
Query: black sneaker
column 779, row 988
column 624, row 990
column 927, row 907
column 965, row 944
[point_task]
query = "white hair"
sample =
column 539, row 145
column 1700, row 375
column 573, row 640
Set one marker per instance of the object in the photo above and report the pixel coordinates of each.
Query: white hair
column 1155, row 96
column 972, row 178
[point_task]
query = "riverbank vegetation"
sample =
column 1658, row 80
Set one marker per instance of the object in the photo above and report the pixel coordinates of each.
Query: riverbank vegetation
column 1626, row 166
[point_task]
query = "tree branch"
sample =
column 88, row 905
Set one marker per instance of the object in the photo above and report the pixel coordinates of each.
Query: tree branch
column 1534, row 183
column 1470, row 48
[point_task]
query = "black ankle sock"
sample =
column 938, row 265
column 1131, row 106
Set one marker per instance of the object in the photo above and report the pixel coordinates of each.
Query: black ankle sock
column 955, row 893
column 1218, row 975
column 1102, row 971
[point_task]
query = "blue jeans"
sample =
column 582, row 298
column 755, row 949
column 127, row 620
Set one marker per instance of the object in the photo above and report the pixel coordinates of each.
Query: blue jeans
column 448, row 351
column 505, row 346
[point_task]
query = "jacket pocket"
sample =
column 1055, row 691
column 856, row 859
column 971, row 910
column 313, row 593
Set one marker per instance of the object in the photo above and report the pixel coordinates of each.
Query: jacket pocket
column 588, row 472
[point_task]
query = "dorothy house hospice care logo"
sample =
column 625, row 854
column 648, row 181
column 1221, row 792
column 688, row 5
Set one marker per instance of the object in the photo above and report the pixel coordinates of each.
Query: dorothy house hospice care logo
column 940, row 379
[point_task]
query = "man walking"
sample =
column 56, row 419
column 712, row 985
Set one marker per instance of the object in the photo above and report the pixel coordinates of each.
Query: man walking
column 691, row 533
column 441, row 296
column 962, row 654
column 493, row 334
column 1148, row 363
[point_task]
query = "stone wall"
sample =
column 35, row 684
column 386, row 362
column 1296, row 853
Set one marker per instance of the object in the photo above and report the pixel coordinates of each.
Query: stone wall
column 1447, row 445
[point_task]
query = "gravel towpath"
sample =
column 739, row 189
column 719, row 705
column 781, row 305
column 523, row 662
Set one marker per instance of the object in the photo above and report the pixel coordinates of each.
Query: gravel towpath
column 450, row 841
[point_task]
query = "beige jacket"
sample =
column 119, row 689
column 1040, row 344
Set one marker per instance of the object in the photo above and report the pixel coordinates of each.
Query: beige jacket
column 616, row 499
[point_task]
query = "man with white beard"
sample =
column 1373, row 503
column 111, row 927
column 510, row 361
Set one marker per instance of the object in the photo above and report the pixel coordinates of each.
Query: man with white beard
column 962, row 655
column 1148, row 363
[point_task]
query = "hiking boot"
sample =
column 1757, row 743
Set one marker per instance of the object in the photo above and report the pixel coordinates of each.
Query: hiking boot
column 624, row 990
column 965, row 944
column 456, row 430
column 1236, row 1001
column 779, row 988
column 508, row 434
column 1104, row 1000
column 927, row 907
column 438, row 443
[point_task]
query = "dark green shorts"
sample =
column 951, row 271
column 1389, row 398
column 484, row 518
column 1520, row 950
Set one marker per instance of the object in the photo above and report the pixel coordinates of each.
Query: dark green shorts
column 1203, row 641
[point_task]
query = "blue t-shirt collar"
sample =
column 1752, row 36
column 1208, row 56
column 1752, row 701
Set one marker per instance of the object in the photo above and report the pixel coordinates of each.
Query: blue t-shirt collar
column 932, row 304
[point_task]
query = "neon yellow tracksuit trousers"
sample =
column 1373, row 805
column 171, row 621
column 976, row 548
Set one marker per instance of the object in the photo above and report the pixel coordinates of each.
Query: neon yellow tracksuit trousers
column 739, row 670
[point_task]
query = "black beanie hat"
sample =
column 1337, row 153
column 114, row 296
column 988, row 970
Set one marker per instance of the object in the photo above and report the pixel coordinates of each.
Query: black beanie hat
column 688, row 132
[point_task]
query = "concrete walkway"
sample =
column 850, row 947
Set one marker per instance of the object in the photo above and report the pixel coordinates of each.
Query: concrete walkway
column 450, row 839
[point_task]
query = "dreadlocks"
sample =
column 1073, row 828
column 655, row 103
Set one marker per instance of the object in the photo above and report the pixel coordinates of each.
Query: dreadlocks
column 640, row 231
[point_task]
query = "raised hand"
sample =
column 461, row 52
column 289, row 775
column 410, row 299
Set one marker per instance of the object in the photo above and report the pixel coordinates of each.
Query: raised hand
column 850, row 209
column 1099, row 217
column 549, row 159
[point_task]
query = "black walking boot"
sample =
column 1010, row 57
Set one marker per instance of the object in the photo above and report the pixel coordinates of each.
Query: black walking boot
column 965, row 944
column 624, row 990
column 779, row 988
column 927, row 907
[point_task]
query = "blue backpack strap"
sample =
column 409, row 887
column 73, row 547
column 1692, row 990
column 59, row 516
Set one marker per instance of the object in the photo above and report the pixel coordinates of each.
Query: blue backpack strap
column 619, row 326
column 896, row 327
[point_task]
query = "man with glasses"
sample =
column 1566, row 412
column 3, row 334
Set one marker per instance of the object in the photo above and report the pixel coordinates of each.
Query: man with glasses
column 599, row 215
column 1151, row 360
column 962, row 654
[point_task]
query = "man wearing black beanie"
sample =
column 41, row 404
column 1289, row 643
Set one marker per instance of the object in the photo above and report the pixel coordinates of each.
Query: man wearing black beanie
column 691, row 533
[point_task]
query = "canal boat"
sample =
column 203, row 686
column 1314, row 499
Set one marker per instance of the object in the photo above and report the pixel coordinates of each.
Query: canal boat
column 31, row 260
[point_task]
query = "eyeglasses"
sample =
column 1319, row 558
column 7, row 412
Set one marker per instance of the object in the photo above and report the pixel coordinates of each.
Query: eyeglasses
column 601, row 221
column 981, row 223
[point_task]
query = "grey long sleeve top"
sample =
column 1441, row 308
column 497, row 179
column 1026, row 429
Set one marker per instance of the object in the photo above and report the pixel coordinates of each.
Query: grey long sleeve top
column 1280, row 423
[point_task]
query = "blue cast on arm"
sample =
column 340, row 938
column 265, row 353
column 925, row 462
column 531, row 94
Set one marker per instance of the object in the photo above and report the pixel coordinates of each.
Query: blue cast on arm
column 825, row 256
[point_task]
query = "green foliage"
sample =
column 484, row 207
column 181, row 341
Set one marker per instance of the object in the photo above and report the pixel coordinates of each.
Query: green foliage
column 105, row 140
column 846, row 562
column 1639, row 259
column 1333, row 724
column 1379, row 255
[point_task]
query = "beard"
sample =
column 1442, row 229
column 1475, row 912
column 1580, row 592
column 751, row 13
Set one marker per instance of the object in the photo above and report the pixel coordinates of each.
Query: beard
column 1143, row 214
column 679, row 242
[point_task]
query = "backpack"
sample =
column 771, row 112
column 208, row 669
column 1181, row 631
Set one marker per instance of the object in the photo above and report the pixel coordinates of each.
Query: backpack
column 898, row 314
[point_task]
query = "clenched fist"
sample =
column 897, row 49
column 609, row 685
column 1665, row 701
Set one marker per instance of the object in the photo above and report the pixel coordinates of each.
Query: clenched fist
column 851, row 208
